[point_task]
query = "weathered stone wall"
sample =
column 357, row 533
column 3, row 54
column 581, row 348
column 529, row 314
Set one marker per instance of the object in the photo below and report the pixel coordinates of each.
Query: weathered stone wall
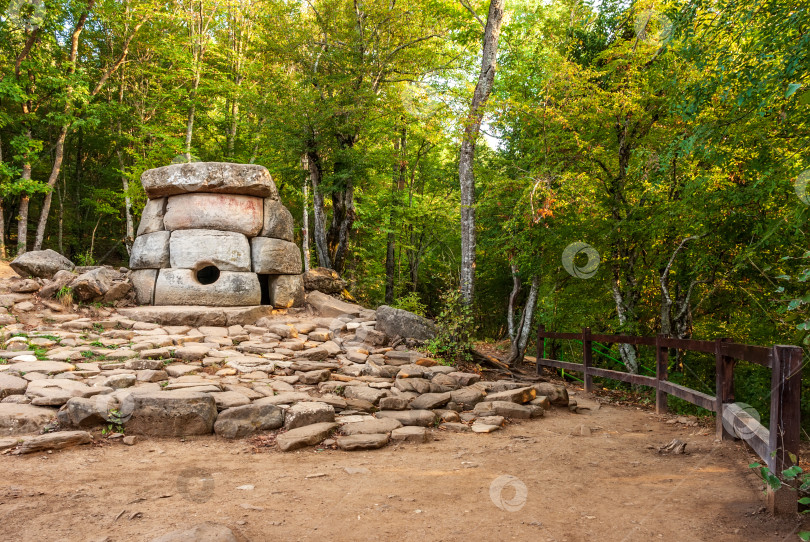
column 211, row 234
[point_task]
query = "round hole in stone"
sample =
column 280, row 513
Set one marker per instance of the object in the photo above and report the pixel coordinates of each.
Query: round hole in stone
column 208, row 275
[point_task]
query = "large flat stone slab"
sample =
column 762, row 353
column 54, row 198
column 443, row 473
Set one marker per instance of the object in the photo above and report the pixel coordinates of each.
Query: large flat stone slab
column 423, row 418
column 308, row 435
column 196, row 315
column 216, row 177
column 11, row 385
column 194, row 249
column 245, row 420
column 371, row 427
column 231, row 289
column 21, row 419
column 362, row 442
column 330, row 307
column 172, row 414
column 39, row 366
column 242, row 214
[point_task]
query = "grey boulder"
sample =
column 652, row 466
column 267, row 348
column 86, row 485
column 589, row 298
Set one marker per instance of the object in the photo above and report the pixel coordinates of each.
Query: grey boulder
column 40, row 263
column 399, row 323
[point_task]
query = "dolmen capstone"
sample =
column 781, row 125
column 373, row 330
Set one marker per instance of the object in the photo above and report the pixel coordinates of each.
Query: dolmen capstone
column 215, row 233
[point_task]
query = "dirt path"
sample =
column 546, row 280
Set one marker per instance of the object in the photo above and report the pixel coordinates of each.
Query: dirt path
column 608, row 486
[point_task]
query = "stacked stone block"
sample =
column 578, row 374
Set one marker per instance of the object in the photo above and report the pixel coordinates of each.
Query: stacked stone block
column 216, row 234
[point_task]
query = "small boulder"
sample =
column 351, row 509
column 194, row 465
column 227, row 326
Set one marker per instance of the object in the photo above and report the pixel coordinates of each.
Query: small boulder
column 324, row 280
column 93, row 284
column 61, row 279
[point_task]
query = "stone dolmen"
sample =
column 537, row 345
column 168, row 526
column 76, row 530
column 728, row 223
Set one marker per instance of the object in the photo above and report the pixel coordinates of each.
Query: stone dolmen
column 215, row 234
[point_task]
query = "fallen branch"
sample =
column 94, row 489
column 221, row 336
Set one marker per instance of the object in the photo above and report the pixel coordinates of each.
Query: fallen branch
column 483, row 359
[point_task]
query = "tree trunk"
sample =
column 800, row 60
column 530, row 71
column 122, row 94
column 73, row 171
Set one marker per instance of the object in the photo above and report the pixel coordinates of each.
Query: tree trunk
column 517, row 350
column 22, row 213
column 391, row 244
column 2, row 218
column 319, row 235
column 55, row 170
column 305, row 221
column 343, row 214
column 627, row 351
column 130, row 238
column 61, row 197
column 510, row 314
column 472, row 127
column 397, row 180
column 60, row 141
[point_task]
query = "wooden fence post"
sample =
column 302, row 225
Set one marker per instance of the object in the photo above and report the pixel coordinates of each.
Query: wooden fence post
column 587, row 358
column 724, row 386
column 661, row 373
column 786, row 382
column 541, row 346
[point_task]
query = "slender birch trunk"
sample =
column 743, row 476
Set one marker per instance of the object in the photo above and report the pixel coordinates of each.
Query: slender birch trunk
column 466, row 157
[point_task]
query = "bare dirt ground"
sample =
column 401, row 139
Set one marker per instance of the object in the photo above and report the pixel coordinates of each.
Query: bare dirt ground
column 5, row 270
column 607, row 486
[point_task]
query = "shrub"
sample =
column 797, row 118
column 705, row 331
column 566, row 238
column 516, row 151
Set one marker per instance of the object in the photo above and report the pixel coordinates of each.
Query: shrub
column 454, row 330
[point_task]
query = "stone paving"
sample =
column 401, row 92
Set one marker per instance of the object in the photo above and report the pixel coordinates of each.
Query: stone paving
column 312, row 379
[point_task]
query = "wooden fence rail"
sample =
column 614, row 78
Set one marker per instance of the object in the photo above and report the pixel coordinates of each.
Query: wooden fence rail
column 778, row 447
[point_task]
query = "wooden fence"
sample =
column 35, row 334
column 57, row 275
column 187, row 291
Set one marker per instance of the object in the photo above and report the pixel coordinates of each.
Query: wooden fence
column 778, row 447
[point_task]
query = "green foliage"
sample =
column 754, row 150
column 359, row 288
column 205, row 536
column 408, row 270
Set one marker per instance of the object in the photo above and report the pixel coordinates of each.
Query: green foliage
column 116, row 424
column 454, row 330
column 411, row 303
column 65, row 296
column 788, row 475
